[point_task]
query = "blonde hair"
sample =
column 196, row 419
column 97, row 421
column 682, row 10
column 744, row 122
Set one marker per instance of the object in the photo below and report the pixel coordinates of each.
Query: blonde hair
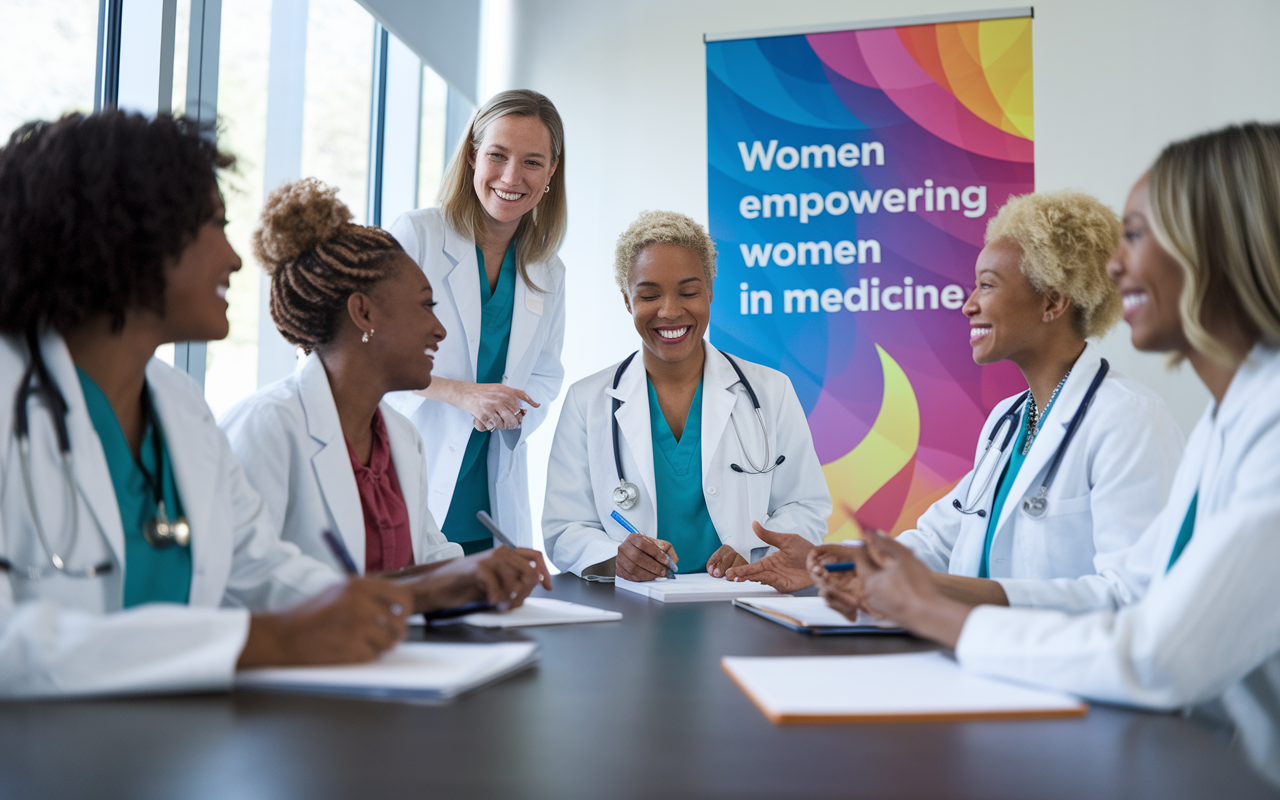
column 1067, row 238
column 662, row 227
column 542, row 230
column 1215, row 208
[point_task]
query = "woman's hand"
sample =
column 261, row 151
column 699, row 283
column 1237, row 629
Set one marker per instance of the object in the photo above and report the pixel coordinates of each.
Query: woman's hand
column 723, row 560
column 501, row 577
column 641, row 558
column 786, row 570
column 891, row 583
column 494, row 406
column 841, row 590
column 348, row 623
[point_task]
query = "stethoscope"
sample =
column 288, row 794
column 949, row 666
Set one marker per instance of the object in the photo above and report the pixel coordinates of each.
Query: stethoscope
column 159, row 531
column 627, row 494
column 1034, row 507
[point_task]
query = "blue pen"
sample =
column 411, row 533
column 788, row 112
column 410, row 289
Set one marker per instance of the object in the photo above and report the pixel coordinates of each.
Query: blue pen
column 340, row 552
column 621, row 520
column 843, row 566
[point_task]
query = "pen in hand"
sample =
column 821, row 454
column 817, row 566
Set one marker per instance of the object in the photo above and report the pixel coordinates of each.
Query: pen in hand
column 621, row 520
column 340, row 552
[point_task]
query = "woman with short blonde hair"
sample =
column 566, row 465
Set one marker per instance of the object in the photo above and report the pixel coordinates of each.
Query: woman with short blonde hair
column 490, row 248
column 1050, row 496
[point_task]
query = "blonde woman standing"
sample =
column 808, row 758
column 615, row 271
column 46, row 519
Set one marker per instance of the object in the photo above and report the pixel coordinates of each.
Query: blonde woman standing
column 489, row 249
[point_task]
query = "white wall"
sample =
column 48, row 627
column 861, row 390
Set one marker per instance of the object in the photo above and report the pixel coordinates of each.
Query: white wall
column 1114, row 82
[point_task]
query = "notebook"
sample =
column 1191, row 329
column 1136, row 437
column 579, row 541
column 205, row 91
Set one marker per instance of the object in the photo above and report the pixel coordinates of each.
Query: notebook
column 412, row 670
column 541, row 611
column 697, row 587
column 919, row 687
column 813, row 615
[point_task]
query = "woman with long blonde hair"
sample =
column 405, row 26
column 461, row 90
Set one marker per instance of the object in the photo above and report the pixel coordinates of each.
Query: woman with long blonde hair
column 1199, row 271
column 489, row 249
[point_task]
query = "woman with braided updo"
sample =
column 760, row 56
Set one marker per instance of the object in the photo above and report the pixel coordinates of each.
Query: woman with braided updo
column 323, row 450
column 490, row 251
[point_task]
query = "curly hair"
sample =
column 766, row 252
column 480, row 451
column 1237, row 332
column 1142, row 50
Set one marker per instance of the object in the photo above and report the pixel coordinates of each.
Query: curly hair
column 662, row 227
column 1067, row 238
column 316, row 258
column 93, row 208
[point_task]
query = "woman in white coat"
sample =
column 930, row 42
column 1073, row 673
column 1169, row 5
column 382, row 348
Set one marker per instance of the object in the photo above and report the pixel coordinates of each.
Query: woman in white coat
column 676, row 429
column 319, row 446
column 490, row 252
column 1200, row 274
column 134, row 555
column 1042, row 292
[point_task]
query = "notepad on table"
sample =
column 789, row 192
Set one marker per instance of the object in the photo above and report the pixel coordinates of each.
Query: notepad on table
column 920, row 687
column 541, row 611
column 697, row 587
column 411, row 670
column 813, row 615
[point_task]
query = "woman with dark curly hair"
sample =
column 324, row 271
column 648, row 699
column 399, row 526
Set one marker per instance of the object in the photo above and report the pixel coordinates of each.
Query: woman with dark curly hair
column 130, row 541
column 321, row 446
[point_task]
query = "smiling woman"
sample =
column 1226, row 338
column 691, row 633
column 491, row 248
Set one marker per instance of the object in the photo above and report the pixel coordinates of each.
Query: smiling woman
column 490, row 252
column 644, row 428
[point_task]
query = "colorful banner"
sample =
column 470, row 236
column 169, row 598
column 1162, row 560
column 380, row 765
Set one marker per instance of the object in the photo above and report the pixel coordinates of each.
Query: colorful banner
column 851, row 177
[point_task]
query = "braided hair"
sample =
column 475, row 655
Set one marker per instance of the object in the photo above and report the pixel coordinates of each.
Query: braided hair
column 316, row 258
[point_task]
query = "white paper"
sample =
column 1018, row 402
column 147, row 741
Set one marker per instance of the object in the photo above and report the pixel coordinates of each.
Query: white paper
column 883, row 685
column 698, row 587
column 541, row 611
column 813, row 612
column 425, row 670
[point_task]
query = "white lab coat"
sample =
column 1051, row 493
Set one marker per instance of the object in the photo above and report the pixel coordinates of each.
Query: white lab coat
column 533, row 365
column 290, row 442
column 1113, row 480
column 576, row 522
column 1210, row 627
column 65, row 636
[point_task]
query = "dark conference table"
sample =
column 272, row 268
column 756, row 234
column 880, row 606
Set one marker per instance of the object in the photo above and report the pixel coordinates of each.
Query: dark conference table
column 638, row 708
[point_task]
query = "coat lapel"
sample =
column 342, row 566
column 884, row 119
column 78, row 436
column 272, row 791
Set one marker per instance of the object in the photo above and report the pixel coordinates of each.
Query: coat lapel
column 332, row 462
column 524, row 323
column 718, row 400
column 464, row 287
column 633, row 424
column 88, row 461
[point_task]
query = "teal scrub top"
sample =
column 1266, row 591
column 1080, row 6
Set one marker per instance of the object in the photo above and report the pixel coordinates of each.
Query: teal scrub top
column 1184, row 533
column 471, row 494
column 151, row 574
column 1007, row 478
column 683, row 518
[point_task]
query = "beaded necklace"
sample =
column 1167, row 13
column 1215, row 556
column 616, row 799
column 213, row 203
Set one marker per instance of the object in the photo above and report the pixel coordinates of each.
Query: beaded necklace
column 1033, row 413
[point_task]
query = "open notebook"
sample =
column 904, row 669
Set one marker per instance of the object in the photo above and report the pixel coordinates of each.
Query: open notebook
column 412, row 670
column 813, row 615
column 881, row 688
column 696, row 587
column 541, row 611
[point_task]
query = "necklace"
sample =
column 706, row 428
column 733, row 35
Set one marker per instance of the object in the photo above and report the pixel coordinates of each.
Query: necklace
column 1033, row 413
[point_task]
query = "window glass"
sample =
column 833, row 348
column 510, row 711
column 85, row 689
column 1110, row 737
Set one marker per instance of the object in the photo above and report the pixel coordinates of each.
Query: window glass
column 48, row 54
column 231, row 369
column 336, row 114
column 431, row 157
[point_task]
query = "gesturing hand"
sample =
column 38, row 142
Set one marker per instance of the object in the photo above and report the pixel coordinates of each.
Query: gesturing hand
column 722, row 560
column 784, row 570
column 348, row 623
column 495, row 406
column 641, row 558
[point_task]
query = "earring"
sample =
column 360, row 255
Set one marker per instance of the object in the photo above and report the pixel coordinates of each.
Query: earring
column 1048, row 316
column 367, row 336
column 546, row 188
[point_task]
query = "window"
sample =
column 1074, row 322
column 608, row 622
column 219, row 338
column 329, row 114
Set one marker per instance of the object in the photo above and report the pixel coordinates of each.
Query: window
column 48, row 54
column 432, row 157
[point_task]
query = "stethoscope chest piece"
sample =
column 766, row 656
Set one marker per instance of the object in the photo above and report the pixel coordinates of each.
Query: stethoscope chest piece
column 626, row 495
column 1036, row 507
column 159, row 531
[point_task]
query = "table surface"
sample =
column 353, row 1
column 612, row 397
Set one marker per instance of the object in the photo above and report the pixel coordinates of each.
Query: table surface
column 636, row 708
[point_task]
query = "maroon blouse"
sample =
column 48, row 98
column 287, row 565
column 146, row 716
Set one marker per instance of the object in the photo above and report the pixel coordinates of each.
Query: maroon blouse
column 387, row 544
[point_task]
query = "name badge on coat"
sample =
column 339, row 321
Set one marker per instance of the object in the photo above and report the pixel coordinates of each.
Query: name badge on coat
column 533, row 301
